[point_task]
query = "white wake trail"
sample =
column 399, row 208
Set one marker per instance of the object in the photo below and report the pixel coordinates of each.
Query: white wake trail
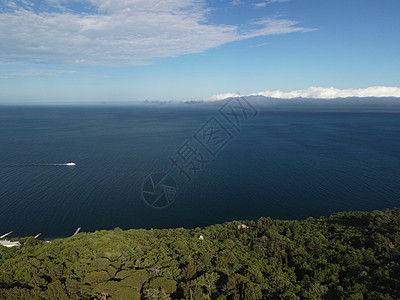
column 69, row 164
column 64, row 164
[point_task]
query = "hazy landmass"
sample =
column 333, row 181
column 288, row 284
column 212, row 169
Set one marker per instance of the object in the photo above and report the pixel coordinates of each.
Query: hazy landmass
column 386, row 104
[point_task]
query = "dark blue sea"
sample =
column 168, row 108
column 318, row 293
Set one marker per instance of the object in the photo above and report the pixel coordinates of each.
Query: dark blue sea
column 159, row 166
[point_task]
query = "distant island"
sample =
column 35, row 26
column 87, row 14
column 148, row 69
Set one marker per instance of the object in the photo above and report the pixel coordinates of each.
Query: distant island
column 349, row 255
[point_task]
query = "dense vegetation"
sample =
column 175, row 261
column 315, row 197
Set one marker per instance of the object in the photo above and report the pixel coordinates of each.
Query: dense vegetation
column 351, row 255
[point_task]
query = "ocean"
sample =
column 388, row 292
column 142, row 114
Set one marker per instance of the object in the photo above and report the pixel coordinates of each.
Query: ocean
column 189, row 165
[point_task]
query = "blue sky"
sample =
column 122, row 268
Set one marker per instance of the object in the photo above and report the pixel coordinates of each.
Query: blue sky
column 133, row 50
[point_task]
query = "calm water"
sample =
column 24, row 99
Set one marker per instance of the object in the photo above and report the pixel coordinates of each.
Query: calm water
column 280, row 164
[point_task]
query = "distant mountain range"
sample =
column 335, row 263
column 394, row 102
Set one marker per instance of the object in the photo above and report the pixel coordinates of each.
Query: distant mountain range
column 349, row 103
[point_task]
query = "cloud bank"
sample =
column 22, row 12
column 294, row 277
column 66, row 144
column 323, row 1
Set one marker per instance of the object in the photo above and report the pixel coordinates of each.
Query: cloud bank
column 116, row 33
column 320, row 93
column 10, row 74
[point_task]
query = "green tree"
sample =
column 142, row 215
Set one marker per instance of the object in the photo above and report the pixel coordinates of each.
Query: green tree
column 208, row 280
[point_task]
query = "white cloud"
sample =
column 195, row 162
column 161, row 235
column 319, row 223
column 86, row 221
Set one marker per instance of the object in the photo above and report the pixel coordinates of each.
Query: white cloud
column 35, row 73
column 236, row 2
column 260, row 4
column 223, row 96
column 279, row 1
column 321, row 93
column 330, row 93
column 265, row 3
column 117, row 32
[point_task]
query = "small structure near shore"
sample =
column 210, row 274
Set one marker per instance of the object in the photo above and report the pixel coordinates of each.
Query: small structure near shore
column 242, row 226
column 77, row 231
column 9, row 244
column 4, row 242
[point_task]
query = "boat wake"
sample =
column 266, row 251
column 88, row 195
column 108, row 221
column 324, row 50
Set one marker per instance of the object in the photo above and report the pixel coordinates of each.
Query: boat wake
column 70, row 164
column 65, row 164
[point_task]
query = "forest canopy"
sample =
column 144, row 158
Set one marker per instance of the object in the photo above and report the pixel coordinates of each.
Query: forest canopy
column 349, row 255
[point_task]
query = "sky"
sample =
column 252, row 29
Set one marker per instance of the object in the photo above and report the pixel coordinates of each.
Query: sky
column 135, row 50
